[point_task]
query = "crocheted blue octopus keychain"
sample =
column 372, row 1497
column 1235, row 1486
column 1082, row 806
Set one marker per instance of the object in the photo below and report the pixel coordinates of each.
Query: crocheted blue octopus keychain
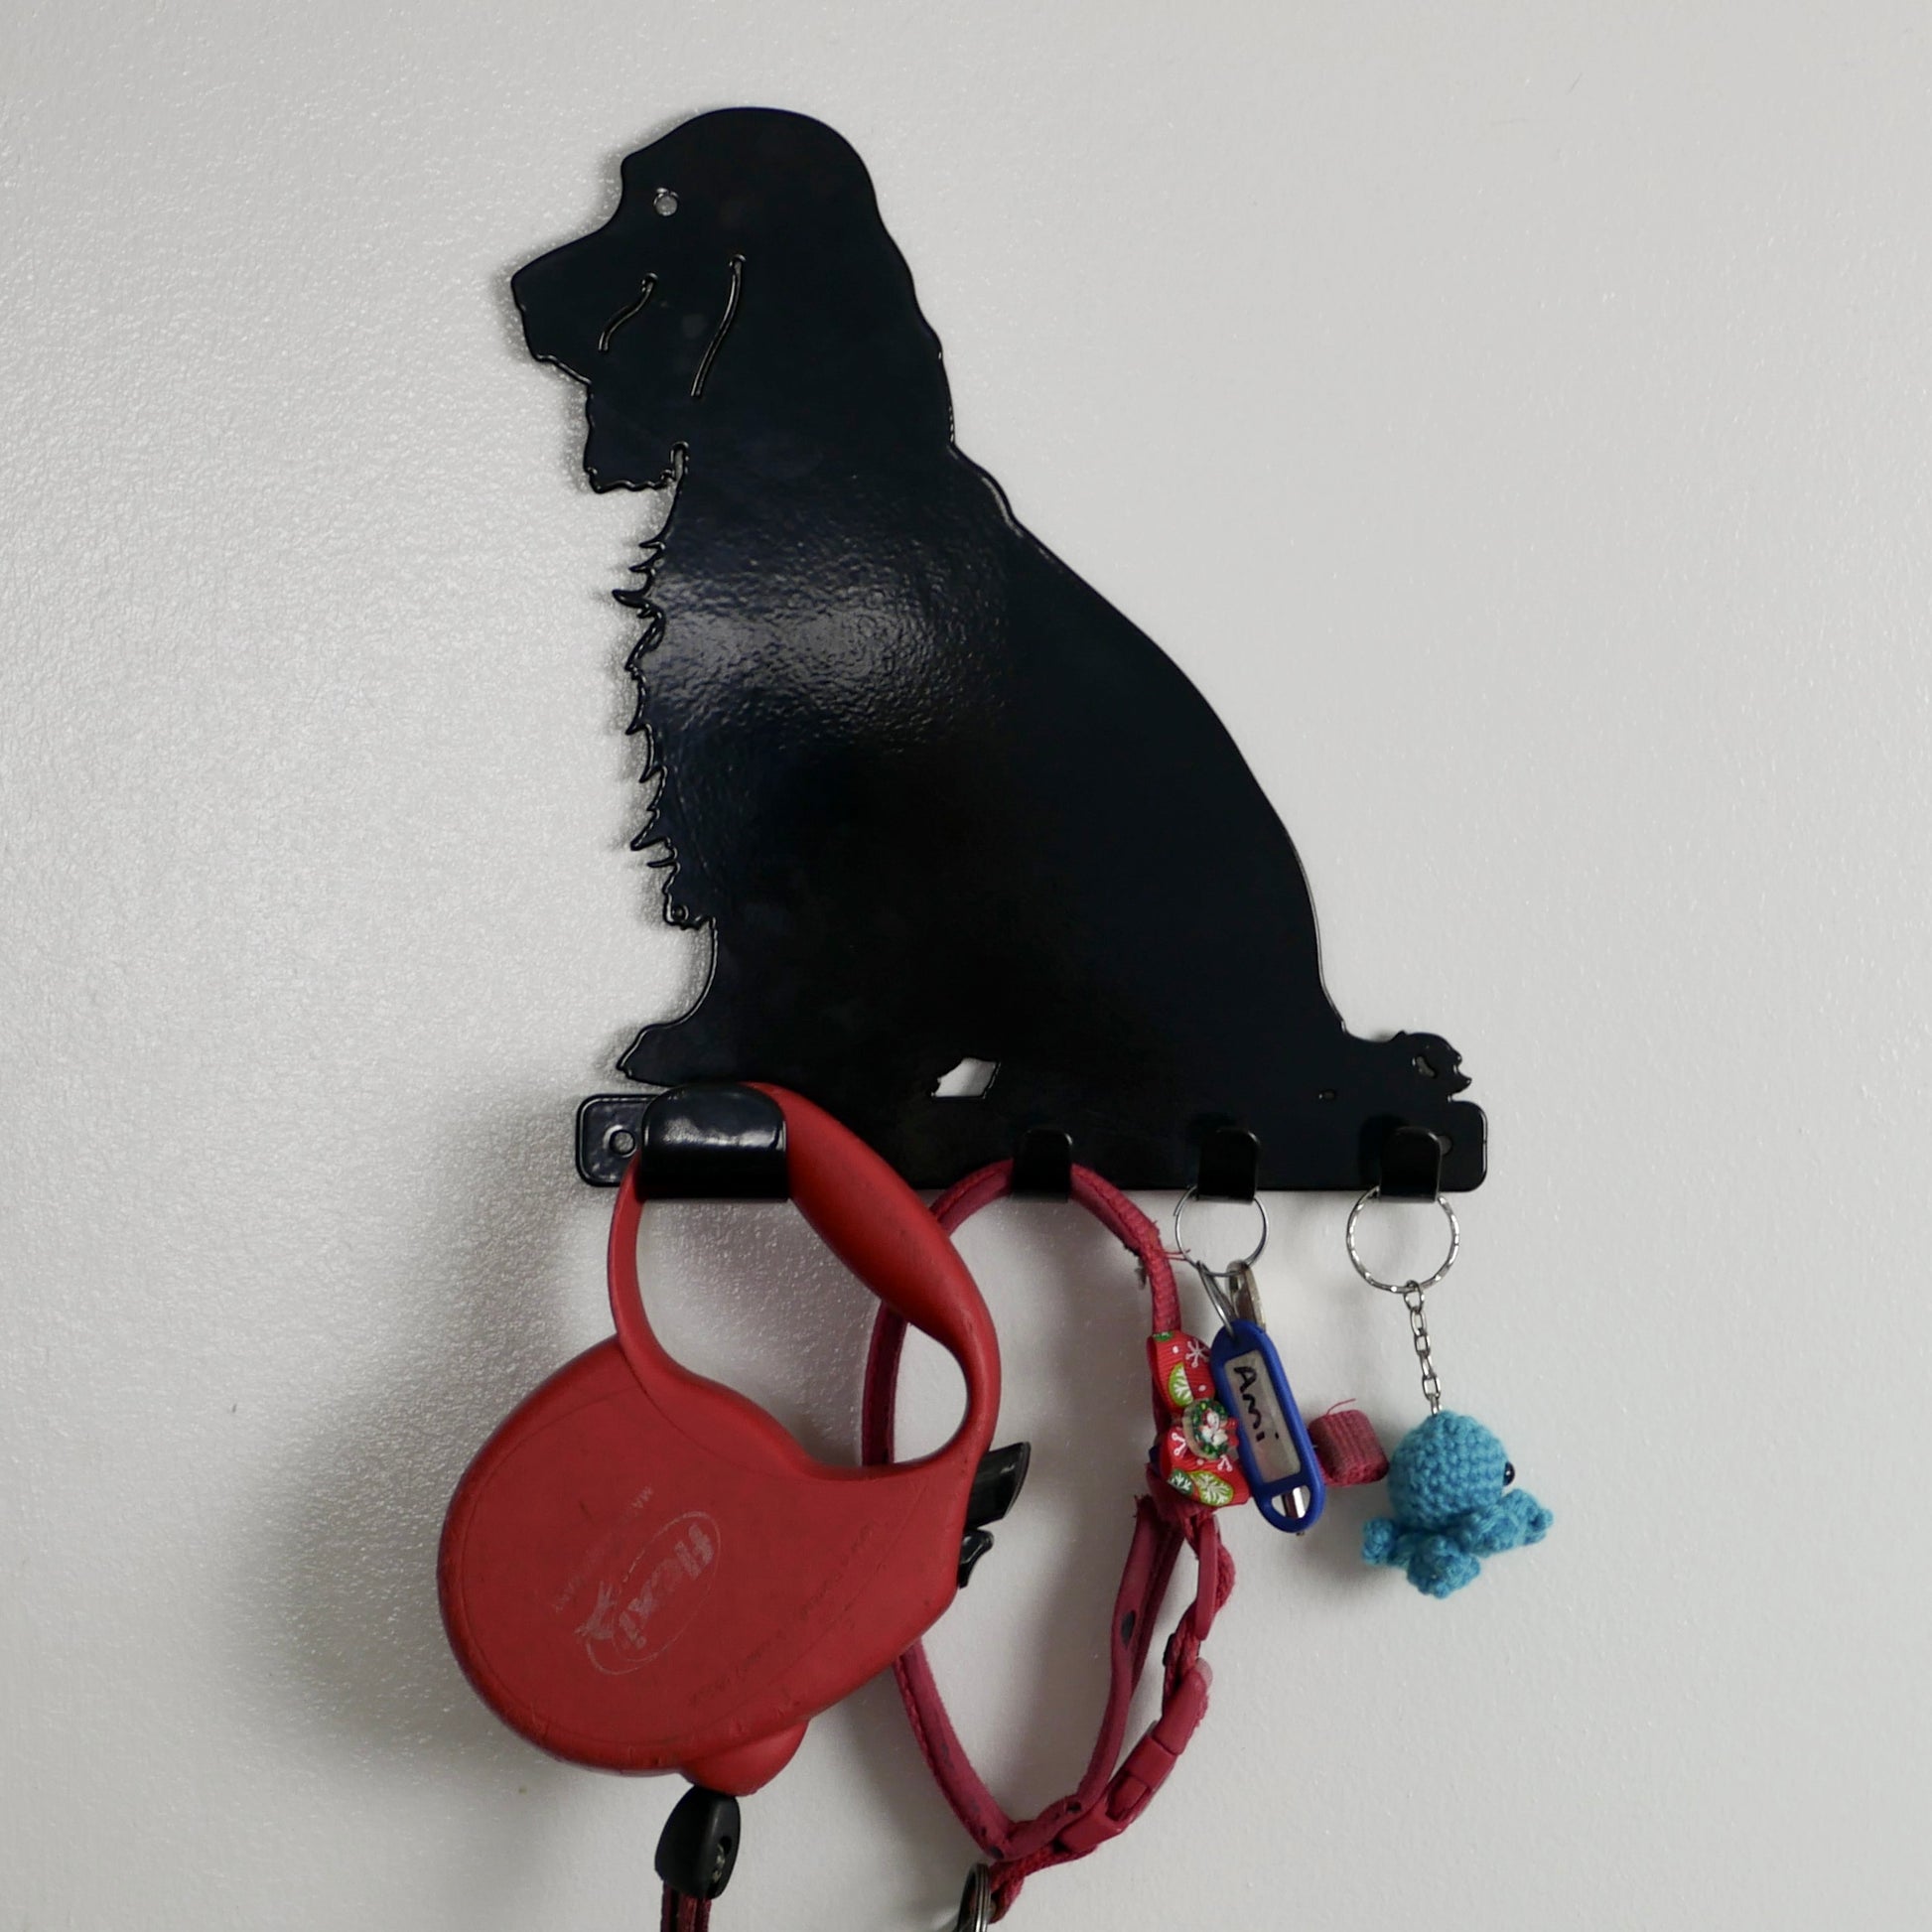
column 1452, row 1487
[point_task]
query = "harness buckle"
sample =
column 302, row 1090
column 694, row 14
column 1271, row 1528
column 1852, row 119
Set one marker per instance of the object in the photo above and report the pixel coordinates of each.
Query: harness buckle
column 1146, row 1768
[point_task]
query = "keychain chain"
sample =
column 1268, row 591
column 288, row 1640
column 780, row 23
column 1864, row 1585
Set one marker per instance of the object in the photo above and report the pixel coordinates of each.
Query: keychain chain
column 1431, row 1387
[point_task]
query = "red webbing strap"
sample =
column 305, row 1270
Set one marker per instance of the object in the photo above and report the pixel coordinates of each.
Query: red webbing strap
column 683, row 1913
column 1113, row 1792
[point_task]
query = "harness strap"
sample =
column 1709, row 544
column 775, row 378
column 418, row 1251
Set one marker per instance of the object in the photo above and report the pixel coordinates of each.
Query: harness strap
column 1114, row 1791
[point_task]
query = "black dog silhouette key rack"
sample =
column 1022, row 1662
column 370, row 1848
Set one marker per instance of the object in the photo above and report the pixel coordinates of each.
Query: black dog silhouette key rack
column 950, row 819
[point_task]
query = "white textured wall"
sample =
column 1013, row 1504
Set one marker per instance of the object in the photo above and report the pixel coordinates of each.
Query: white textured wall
column 1514, row 417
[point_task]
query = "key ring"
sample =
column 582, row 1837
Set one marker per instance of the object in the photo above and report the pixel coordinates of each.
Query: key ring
column 1216, row 1280
column 1400, row 1287
column 976, row 1901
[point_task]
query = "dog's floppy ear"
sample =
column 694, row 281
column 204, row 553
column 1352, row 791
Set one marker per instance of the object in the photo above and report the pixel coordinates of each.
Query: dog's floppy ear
column 826, row 339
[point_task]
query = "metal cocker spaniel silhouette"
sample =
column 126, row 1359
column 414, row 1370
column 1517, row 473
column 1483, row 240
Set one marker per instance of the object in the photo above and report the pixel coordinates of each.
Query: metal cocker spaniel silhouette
column 936, row 799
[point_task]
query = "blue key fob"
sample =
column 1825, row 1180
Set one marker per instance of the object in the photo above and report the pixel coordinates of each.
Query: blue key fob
column 1277, row 1457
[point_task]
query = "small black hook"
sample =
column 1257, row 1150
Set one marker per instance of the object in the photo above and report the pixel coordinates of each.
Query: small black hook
column 1042, row 1164
column 712, row 1140
column 1231, row 1164
column 1412, row 1165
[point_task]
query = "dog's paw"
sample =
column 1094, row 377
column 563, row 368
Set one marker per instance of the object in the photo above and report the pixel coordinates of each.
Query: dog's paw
column 678, row 1051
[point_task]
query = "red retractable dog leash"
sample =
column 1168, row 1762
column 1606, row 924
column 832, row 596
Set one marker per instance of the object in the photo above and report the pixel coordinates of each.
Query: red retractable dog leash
column 643, row 1571
column 1189, row 1439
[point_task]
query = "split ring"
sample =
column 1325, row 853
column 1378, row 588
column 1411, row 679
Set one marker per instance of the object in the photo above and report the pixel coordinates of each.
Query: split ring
column 1248, row 1260
column 976, row 1901
column 1401, row 1288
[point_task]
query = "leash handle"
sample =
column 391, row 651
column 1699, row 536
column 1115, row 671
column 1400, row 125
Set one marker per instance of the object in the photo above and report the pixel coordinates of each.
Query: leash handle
column 1113, row 1791
column 867, row 1216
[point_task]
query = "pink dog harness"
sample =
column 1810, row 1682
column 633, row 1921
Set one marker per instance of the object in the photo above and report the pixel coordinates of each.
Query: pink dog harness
column 1114, row 1791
